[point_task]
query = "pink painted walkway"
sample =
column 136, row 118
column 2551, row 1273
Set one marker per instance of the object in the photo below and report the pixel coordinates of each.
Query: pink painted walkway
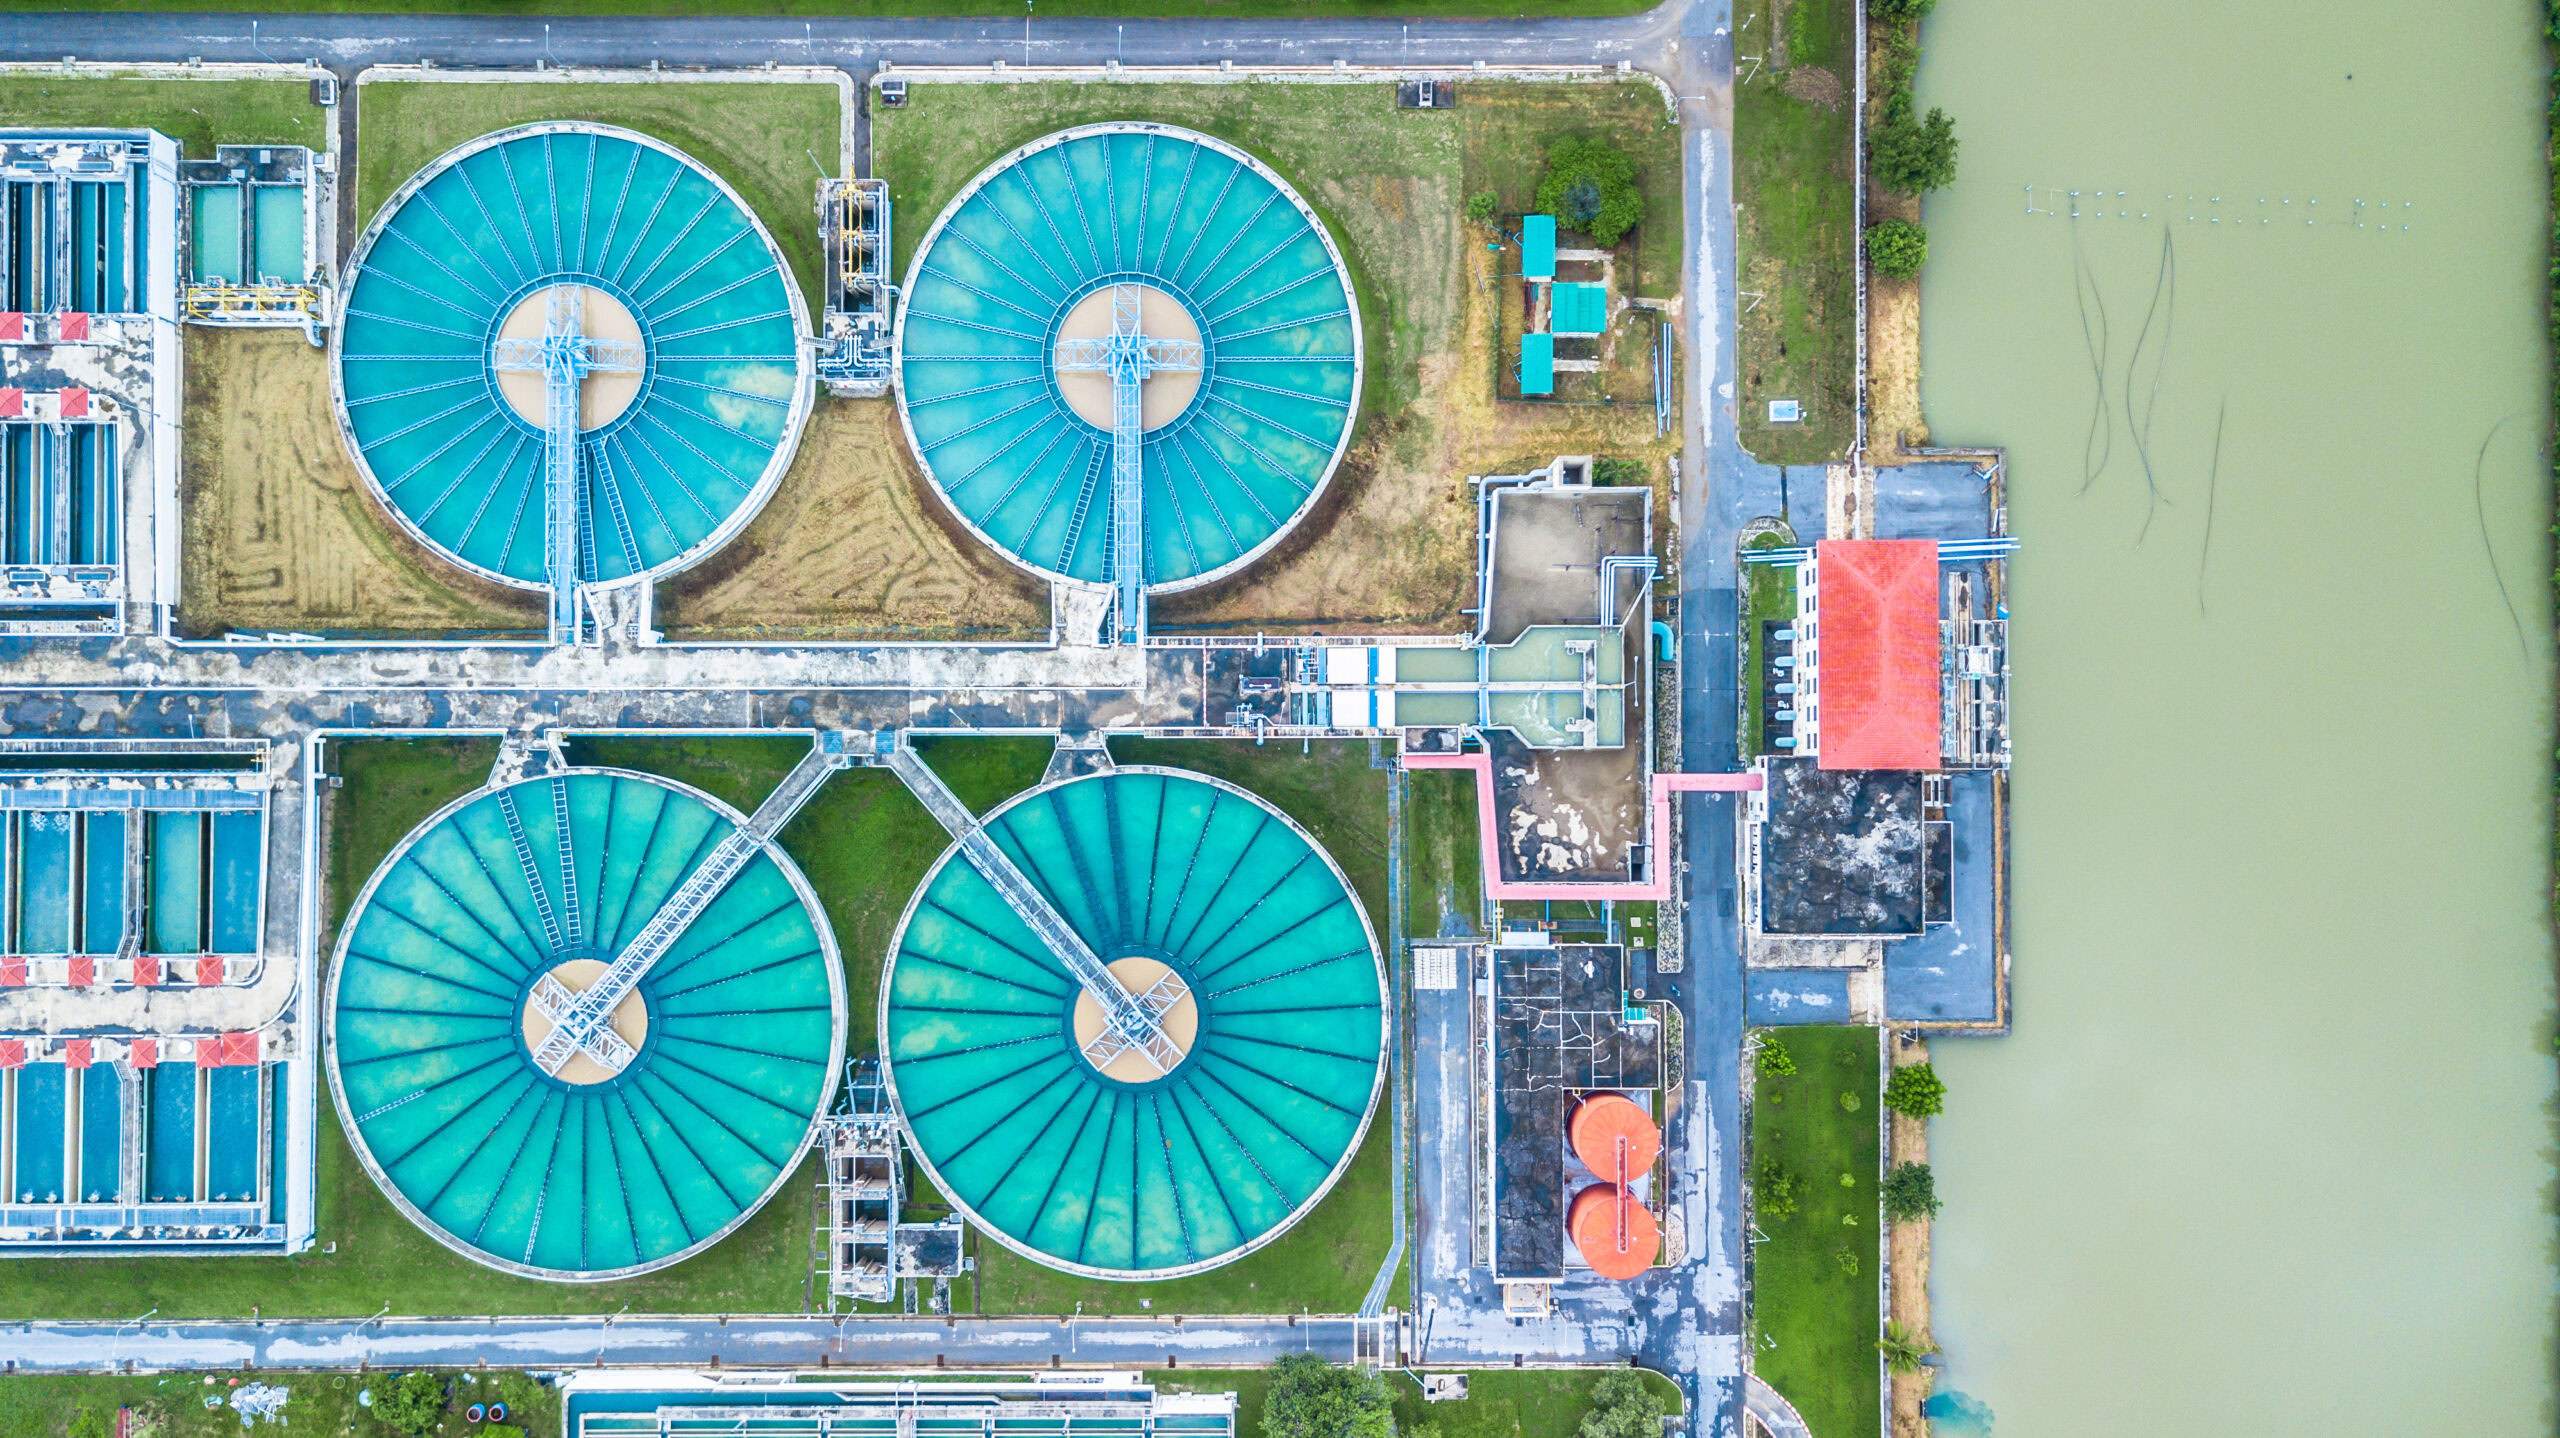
column 1488, row 842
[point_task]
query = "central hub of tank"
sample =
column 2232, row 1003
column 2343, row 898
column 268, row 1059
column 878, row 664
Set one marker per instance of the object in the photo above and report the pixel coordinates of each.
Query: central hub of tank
column 1181, row 1023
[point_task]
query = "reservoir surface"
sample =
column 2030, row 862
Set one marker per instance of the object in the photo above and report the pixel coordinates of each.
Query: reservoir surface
column 2269, row 1150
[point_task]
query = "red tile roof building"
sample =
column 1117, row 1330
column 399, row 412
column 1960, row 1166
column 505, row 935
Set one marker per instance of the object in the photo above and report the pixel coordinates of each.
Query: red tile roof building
column 1878, row 656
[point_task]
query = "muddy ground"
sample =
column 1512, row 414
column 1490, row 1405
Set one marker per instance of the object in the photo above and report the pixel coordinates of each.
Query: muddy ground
column 853, row 547
column 280, row 532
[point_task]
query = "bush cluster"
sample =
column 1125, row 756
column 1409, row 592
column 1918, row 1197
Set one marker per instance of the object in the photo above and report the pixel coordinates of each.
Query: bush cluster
column 1916, row 1092
column 1590, row 186
column 1906, row 151
column 1897, row 248
column 1310, row 1398
column 1622, row 1407
column 1910, row 1192
column 1773, row 1060
column 1774, row 1191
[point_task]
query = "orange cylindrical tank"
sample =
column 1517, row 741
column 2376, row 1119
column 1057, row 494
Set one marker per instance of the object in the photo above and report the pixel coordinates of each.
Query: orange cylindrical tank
column 1614, row 1137
column 1614, row 1230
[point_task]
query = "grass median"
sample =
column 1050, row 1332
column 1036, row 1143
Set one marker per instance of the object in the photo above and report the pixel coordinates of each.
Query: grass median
column 198, row 114
column 1813, row 1282
column 1795, row 207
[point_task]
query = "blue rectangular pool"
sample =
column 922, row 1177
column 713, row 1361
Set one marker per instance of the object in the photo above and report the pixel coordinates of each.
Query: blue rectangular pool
column 101, row 1132
column 174, row 923
column 231, row 1136
column 169, row 1166
column 44, row 882
column 41, row 1112
column 236, row 838
column 102, row 883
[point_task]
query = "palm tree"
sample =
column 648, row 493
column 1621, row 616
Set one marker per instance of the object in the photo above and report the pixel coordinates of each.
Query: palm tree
column 1903, row 1350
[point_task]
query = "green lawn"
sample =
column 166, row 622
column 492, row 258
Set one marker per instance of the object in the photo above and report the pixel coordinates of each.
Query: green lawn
column 770, row 142
column 1500, row 1402
column 172, row 1405
column 1509, row 127
column 198, row 114
column 1444, row 889
column 1813, row 1320
column 1768, row 592
column 1794, row 178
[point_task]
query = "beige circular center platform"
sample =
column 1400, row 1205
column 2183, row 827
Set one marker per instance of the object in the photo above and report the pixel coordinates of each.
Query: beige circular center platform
column 1131, row 1065
column 1167, row 393
column 601, row 397
column 630, row 1020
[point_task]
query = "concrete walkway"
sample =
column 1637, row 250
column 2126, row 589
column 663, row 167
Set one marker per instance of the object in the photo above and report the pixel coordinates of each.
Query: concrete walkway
column 687, row 1341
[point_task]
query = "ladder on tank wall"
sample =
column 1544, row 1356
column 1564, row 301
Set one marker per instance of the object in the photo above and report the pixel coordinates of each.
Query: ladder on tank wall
column 1130, row 1021
column 581, row 1019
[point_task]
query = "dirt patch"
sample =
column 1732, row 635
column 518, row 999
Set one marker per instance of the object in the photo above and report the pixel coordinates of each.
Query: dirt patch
column 1893, row 369
column 1908, row 1253
column 1817, row 86
column 280, row 532
column 852, row 547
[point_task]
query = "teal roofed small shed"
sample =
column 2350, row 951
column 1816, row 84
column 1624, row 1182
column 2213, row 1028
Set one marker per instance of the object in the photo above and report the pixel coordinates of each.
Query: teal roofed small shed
column 1580, row 310
column 1538, row 364
column 1538, row 247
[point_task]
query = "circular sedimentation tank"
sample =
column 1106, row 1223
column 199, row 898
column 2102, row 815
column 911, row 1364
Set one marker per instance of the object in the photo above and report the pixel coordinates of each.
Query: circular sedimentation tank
column 676, row 453
column 738, row 1030
column 1219, row 251
column 1120, row 1170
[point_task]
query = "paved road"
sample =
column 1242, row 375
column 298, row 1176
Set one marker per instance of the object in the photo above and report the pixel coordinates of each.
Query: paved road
column 1687, row 1322
column 635, row 1339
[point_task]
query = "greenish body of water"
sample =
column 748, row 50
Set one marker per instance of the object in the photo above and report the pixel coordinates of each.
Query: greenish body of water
column 2270, row 1149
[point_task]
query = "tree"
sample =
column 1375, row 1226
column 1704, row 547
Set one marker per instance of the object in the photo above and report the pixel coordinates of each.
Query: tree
column 1898, row 12
column 1591, row 186
column 1622, row 1406
column 87, row 1423
column 1897, row 248
column 1903, row 1350
column 411, row 1402
column 1773, row 1060
column 1482, row 207
column 1774, row 1190
column 1910, row 1192
column 1311, row 1398
column 1909, row 152
column 1915, row 1092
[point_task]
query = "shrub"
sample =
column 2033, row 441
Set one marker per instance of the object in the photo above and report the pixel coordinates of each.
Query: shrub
column 1910, row 1192
column 1622, row 1407
column 1310, row 1398
column 1610, row 470
column 1846, row 1258
column 1897, row 248
column 1482, row 207
column 1774, row 1191
column 1910, row 152
column 1850, row 1102
column 1903, row 1350
column 1773, row 1060
column 1898, row 12
column 1591, row 186
column 87, row 1423
column 1915, row 1092
column 411, row 1402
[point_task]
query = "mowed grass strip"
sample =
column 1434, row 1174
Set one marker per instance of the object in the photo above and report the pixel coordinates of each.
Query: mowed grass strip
column 172, row 1405
column 770, row 142
column 1794, row 192
column 198, row 114
column 1813, row 1314
column 1500, row 1402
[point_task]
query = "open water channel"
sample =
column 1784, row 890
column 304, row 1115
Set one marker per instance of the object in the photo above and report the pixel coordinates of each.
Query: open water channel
column 2270, row 1149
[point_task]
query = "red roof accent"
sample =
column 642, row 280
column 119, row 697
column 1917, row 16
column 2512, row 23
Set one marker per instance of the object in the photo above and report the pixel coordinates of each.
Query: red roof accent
column 209, row 969
column 13, row 1053
column 75, row 1054
column 84, row 970
column 75, row 404
column 75, row 325
column 146, row 970
column 13, row 326
column 13, row 972
column 223, row 1050
column 13, row 401
column 143, row 1053
column 1878, row 653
